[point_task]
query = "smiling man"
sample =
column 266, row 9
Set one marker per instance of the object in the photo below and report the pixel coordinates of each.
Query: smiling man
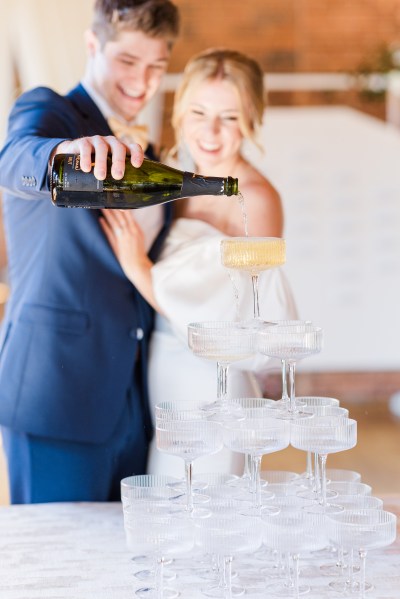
column 74, row 339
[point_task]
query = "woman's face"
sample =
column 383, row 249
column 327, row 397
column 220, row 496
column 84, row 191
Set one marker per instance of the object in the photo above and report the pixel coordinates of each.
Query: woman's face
column 210, row 124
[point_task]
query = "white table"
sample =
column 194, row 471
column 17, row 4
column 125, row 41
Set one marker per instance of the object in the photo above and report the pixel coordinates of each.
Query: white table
column 77, row 551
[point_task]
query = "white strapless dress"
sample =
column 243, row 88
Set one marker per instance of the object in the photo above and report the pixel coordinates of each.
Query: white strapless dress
column 191, row 285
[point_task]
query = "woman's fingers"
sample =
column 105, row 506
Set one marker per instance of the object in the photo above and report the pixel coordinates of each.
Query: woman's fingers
column 120, row 219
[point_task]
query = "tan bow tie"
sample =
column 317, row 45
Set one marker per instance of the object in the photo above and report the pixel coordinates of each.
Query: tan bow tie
column 130, row 133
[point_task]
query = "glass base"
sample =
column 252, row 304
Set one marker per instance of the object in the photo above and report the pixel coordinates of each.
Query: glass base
column 220, row 411
column 274, row 570
column 313, row 496
column 344, row 587
column 180, row 485
column 284, row 404
column 257, row 511
column 242, row 482
column 151, row 593
column 335, row 570
column 219, row 591
column 213, row 574
column 293, row 415
column 198, row 499
column 149, row 575
column 328, row 508
column 247, row 495
column 148, row 560
column 286, row 591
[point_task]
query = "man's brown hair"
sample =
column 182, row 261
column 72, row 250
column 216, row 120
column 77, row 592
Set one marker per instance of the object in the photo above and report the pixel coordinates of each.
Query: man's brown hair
column 155, row 18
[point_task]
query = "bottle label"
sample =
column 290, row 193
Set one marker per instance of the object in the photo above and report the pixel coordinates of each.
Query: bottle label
column 74, row 179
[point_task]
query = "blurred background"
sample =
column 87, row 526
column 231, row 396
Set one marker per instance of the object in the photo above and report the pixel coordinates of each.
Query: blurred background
column 331, row 139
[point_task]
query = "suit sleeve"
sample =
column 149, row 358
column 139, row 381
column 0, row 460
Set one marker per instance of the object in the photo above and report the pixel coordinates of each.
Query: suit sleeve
column 38, row 122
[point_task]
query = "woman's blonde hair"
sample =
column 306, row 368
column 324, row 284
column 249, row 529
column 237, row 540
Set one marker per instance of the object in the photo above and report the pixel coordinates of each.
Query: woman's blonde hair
column 243, row 72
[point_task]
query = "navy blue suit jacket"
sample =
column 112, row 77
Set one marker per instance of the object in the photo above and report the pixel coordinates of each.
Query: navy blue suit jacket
column 74, row 325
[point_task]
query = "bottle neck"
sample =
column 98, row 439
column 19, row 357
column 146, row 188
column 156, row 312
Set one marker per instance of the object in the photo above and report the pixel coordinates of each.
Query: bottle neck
column 196, row 185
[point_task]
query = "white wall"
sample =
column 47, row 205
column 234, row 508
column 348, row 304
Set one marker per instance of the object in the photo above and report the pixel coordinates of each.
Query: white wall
column 338, row 172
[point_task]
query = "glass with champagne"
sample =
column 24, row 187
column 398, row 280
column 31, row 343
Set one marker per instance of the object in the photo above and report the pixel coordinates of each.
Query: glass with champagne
column 253, row 255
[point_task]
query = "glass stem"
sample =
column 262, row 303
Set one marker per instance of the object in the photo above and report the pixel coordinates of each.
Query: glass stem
column 159, row 577
column 292, row 370
column 351, row 570
column 257, row 480
column 288, row 568
column 285, row 396
column 228, row 577
column 322, row 461
column 296, row 574
column 189, row 489
column 309, row 468
column 363, row 555
column 222, row 380
column 256, row 303
column 340, row 561
column 246, row 471
column 317, row 478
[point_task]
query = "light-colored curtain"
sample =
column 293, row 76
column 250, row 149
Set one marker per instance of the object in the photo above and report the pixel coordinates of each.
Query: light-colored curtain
column 41, row 43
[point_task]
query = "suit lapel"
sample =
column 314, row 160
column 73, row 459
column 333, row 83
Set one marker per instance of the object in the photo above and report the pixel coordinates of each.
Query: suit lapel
column 89, row 111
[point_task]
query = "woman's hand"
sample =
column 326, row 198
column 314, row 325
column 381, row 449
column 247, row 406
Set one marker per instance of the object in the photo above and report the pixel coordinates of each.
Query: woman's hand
column 127, row 241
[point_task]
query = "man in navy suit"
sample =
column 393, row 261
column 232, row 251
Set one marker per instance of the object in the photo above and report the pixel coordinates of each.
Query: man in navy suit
column 74, row 339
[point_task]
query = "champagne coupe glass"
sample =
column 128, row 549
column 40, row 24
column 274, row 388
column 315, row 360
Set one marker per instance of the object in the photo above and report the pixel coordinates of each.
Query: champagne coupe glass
column 253, row 255
column 313, row 481
column 189, row 439
column 340, row 567
column 251, row 407
column 256, row 437
column 223, row 343
column 351, row 502
column 361, row 530
column 290, row 343
column 154, row 529
column 168, row 411
column 350, row 488
column 147, row 487
column 324, row 435
column 307, row 478
column 227, row 533
column 142, row 489
column 343, row 475
column 291, row 532
column 284, row 371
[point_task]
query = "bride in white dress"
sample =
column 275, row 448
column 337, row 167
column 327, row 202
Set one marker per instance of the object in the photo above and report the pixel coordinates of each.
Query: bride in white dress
column 219, row 103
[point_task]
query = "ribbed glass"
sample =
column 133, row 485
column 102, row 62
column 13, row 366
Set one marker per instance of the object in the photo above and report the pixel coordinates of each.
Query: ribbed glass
column 324, row 434
column 362, row 528
column 289, row 342
column 253, row 254
column 222, row 341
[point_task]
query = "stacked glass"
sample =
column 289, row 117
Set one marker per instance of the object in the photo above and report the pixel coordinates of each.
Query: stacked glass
column 277, row 511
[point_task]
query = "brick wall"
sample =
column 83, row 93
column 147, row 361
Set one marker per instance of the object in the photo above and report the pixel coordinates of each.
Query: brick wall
column 292, row 36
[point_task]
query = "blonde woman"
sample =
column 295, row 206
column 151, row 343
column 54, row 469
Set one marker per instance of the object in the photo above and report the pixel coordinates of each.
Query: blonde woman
column 219, row 104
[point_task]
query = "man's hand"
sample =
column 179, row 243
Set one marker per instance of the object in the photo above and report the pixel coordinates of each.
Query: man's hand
column 101, row 147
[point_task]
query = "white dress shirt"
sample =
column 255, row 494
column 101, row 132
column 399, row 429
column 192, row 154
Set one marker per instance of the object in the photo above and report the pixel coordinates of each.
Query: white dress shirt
column 150, row 219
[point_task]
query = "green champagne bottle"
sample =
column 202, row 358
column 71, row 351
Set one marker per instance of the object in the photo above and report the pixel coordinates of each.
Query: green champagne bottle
column 150, row 184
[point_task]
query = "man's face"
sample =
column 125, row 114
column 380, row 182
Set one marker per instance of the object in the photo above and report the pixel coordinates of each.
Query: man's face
column 128, row 71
